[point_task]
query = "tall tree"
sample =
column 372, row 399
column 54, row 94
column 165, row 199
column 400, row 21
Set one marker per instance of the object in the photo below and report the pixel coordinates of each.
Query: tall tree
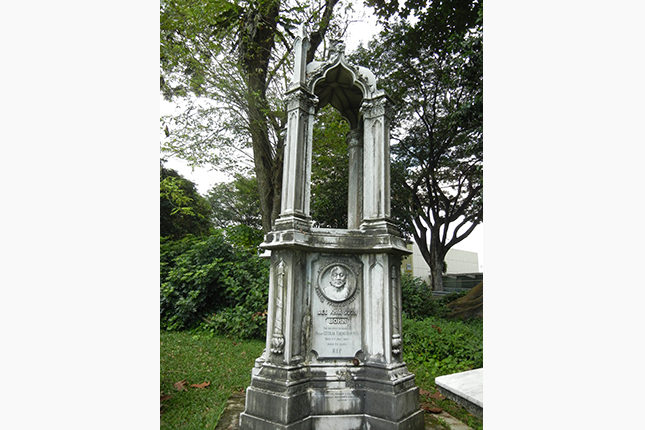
column 228, row 61
column 438, row 159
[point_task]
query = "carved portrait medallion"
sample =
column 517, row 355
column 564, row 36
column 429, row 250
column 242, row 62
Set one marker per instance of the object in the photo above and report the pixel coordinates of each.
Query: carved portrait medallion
column 337, row 282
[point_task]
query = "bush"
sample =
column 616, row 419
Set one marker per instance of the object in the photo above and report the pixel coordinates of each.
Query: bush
column 203, row 276
column 418, row 301
column 238, row 321
column 442, row 347
column 244, row 237
column 416, row 297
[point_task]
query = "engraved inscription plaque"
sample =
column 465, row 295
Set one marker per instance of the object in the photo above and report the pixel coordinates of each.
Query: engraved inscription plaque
column 336, row 309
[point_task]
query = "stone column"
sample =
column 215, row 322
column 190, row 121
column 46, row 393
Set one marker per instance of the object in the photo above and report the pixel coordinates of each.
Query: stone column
column 301, row 108
column 376, row 158
column 382, row 308
column 296, row 184
column 355, row 191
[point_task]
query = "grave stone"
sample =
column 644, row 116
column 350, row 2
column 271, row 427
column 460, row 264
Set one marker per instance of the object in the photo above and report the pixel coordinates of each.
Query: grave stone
column 333, row 345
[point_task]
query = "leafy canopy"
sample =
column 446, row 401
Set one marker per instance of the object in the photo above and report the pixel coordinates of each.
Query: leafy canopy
column 437, row 169
column 228, row 63
column 183, row 210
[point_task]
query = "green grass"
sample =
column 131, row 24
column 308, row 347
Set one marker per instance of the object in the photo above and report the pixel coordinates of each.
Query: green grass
column 199, row 358
column 428, row 388
column 432, row 347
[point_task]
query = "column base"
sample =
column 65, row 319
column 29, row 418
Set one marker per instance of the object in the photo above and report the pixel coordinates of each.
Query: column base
column 293, row 222
column 308, row 398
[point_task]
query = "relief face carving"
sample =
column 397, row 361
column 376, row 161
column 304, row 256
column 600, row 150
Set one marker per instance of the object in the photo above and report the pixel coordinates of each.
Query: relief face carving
column 337, row 283
column 336, row 311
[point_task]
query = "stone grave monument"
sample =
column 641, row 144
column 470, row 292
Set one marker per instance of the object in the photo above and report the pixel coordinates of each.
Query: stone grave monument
column 333, row 346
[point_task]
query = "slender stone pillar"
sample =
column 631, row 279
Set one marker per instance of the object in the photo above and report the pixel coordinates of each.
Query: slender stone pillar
column 301, row 108
column 377, row 113
column 355, row 191
column 294, row 212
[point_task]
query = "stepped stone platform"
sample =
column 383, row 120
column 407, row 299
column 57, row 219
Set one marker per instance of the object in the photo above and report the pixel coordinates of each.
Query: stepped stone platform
column 465, row 388
column 230, row 419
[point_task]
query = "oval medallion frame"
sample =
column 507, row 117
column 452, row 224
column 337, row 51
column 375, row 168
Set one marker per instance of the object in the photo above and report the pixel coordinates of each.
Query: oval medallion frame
column 330, row 278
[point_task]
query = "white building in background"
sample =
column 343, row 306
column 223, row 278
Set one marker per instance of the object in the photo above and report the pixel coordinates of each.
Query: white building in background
column 462, row 265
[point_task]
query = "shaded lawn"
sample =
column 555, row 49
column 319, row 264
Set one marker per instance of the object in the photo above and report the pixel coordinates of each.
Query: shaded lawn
column 226, row 365
column 198, row 358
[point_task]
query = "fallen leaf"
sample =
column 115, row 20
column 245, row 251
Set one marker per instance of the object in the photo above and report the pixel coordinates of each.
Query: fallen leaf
column 438, row 396
column 431, row 408
column 202, row 385
column 181, row 385
column 424, row 392
column 165, row 398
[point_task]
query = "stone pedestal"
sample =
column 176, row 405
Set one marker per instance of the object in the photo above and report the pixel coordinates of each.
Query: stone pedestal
column 333, row 357
column 333, row 346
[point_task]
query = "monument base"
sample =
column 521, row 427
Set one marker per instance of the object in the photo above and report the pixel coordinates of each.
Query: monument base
column 332, row 397
column 344, row 422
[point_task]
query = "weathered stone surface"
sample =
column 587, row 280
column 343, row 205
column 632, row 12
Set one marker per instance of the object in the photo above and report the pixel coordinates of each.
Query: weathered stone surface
column 333, row 346
column 465, row 388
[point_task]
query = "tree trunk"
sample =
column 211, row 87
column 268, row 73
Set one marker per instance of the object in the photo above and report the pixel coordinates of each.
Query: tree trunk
column 317, row 36
column 258, row 41
column 267, row 170
column 256, row 47
column 436, row 263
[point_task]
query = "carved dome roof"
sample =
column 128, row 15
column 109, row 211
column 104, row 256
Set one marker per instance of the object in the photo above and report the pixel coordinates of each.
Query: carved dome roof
column 340, row 84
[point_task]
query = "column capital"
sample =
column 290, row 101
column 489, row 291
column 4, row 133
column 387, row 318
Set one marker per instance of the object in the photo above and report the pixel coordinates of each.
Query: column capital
column 300, row 98
column 377, row 107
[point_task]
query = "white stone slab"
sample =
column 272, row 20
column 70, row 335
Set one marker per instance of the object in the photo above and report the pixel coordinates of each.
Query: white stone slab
column 469, row 385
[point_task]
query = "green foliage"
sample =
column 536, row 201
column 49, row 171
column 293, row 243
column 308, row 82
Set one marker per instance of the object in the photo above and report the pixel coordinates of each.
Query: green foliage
column 236, row 203
column 182, row 210
column 329, row 169
column 417, row 301
column 433, row 70
column 437, row 22
column 416, row 298
column 439, row 347
column 245, row 237
column 238, row 321
column 203, row 276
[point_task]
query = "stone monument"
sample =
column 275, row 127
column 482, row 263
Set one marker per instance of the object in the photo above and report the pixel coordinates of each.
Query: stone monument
column 333, row 346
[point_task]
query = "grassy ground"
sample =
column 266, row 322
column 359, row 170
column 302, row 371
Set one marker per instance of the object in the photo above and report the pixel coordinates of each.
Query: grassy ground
column 435, row 346
column 224, row 363
column 431, row 398
column 223, row 366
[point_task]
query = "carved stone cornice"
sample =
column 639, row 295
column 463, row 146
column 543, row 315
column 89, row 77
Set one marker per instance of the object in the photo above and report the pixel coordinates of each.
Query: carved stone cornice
column 300, row 99
column 317, row 70
column 378, row 107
